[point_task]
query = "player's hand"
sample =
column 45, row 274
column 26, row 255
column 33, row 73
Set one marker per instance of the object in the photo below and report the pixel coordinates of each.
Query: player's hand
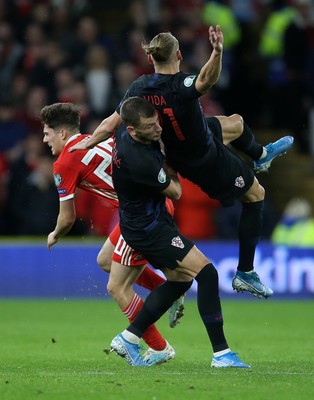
column 51, row 240
column 216, row 38
column 82, row 145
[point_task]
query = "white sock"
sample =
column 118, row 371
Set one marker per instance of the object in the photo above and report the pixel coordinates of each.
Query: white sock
column 222, row 352
column 250, row 272
column 130, row 337
column 264, row 154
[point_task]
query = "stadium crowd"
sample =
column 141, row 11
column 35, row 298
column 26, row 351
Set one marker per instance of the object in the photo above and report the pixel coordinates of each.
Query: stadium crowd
column 88, row 53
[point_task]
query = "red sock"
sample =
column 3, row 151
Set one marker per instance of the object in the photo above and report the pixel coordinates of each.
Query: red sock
column 151, row 336
column 149, row 279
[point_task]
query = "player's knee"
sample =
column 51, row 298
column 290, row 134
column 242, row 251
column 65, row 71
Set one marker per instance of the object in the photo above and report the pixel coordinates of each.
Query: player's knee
column 208, row 274
column 104, row 261
column 113, row 289
column 238, row 124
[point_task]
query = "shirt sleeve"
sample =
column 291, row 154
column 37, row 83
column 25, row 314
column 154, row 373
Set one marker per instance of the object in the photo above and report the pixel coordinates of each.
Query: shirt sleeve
column 186, row 87
column 66, row 179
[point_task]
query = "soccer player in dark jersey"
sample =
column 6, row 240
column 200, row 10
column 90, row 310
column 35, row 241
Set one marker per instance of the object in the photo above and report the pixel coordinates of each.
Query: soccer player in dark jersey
column 90, row 170
column 196, row 147
column 142, row 181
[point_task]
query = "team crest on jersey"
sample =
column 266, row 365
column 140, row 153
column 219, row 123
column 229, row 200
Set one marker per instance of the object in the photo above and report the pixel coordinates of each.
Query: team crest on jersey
column 162, row 176
column 188, row 81
column 58, row 179
column 239, row 182
column 177, row 242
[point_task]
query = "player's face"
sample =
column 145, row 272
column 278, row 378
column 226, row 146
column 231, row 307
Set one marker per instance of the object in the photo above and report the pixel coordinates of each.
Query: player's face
column 148, row 130
column 53, row 139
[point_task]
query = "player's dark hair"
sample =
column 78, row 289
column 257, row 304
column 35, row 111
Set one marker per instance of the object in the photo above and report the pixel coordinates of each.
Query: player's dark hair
column 61, row 115
column 162, row 47
column 134, row 108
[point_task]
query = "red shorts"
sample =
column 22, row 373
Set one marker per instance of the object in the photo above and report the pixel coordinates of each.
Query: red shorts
column 123, row 253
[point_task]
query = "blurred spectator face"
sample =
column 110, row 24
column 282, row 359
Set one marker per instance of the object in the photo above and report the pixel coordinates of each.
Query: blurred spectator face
column 33, row 147
column 6, row 112
column 138, row 13
column 54, row 55
column 97, row 57
column 41, row 13
column 19, row 86
column 6, row 34
column 79, row 94
column 87, row 30
column 64, row 81
column 125, row 74
column 34, row 35
column 36, row 99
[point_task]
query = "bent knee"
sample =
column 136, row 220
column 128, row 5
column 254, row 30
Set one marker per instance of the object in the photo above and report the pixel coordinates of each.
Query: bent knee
column 104, row 262
column 238, row 123
column 113, row 289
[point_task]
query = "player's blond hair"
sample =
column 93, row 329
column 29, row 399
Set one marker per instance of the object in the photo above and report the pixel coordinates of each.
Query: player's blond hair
column 163, row 48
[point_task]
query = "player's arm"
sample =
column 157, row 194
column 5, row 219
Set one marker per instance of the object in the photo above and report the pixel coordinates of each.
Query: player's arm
column 103, row 131
column 210, row 72
column 65, row 221
column 174, row 190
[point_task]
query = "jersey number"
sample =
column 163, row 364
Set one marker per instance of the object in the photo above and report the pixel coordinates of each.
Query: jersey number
column 174, row 123
column 100, row 171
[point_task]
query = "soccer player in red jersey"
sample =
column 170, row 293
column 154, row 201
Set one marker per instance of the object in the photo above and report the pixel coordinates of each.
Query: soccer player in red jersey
column 90, row 170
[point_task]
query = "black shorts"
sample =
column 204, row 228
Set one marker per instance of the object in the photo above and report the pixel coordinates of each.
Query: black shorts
column 220, row 173
column 163, row 247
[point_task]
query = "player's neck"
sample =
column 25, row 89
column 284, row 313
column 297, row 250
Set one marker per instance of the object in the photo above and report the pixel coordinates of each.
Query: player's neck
column 167, row 69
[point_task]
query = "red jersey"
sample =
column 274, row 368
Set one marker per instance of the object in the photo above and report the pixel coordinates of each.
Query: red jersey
column 89, row 170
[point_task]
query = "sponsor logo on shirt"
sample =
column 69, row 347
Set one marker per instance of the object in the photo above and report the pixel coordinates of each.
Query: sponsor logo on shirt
column 162, row 176
column 177, row 242
column 62, row 191
column 58, row 179
column 188, row 81
column 239, row 182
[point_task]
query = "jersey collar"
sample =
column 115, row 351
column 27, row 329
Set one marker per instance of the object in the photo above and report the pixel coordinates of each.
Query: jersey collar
column 72, row 138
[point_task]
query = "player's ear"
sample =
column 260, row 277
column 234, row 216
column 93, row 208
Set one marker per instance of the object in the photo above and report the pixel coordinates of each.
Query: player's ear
column 131, row 130
column 63, row 133
column 150, row 59
column 179, row 55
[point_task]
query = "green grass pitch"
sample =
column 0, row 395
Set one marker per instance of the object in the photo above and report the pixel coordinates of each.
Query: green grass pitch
column 54, row 350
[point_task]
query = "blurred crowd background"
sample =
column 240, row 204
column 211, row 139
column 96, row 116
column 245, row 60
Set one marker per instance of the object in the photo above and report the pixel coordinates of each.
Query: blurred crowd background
column 88, row 53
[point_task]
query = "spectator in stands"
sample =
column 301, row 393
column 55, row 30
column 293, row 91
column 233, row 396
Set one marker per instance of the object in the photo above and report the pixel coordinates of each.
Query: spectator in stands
column 36, row 204
column 98, row 79
column 11, row 52
column 36, row 98
column 3, row 194
column 296, row 226
column 12, row 131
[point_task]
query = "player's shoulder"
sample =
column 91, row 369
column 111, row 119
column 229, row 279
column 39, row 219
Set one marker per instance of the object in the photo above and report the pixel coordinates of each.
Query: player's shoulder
column 186, row 79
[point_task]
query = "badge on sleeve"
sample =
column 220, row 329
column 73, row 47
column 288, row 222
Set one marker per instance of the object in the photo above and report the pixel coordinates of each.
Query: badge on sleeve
column 57, row 179
column 162, row 176
column 188, row 81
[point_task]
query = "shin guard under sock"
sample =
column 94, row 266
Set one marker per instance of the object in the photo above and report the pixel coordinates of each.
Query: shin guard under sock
column 209, row 306
column 247, row 143
column 151, row 336
column 250, row 229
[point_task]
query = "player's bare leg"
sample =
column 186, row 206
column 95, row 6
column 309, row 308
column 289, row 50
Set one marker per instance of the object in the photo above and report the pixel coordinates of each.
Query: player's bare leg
column 120, row 287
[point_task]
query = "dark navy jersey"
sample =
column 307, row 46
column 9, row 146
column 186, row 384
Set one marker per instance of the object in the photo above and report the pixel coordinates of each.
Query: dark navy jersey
column 186, row 134
column 139, row 179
